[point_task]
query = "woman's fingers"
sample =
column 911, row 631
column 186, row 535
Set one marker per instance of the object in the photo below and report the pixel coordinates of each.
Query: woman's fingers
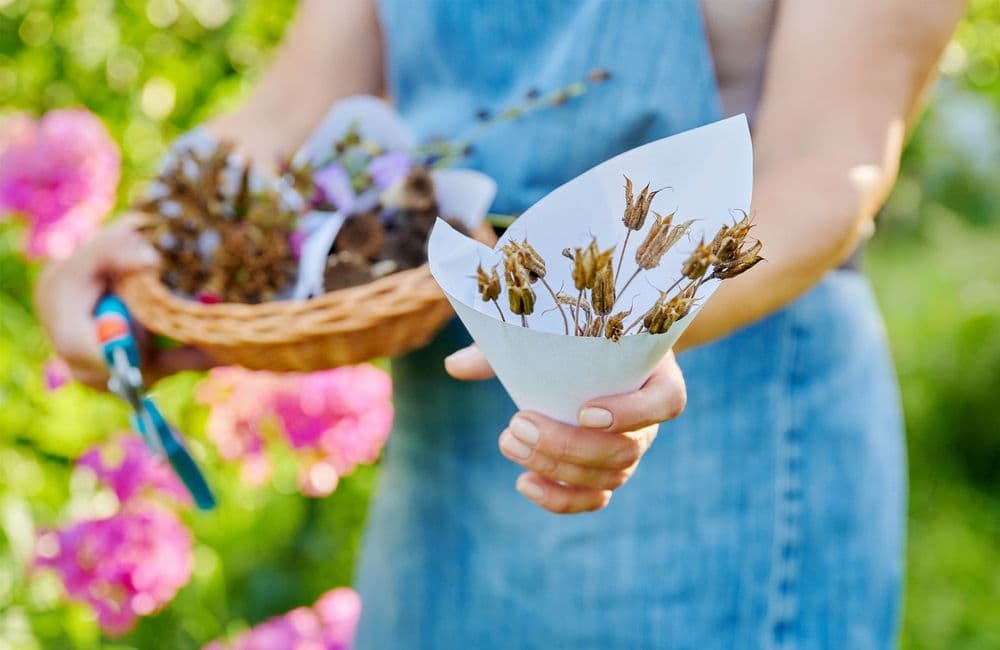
column 604, row 450
column 561, row 470
column 468, row 364
column 67, row 293
column 661, row 398
column 561, row 499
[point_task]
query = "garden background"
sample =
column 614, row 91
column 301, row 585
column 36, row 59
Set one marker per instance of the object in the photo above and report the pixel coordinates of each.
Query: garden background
column 151, row 69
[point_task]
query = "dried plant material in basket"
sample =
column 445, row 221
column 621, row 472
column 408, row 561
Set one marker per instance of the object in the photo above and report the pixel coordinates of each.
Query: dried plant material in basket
column 258, row 275
column 383, row 318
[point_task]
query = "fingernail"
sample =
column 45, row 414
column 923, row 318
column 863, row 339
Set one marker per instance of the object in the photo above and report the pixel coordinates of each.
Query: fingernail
column 524, row 430
column 529, row 488
column 595, row 418
column 461, row 356
column 513, row 446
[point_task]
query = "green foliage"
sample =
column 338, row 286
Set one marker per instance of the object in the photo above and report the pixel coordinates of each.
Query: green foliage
column 153, row 68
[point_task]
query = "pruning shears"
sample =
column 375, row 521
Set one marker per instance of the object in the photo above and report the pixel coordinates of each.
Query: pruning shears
column 115, row 333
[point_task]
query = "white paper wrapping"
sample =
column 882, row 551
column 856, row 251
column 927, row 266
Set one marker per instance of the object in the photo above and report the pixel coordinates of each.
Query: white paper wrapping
column 709, row 171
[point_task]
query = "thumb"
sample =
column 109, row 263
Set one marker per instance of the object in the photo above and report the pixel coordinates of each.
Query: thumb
column 122, row 248
column 468, row 364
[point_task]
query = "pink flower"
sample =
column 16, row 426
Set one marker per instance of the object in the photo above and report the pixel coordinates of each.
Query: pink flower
column 61, row 173
column 339, row 419
column 329, row 625
column 334, row 419
column 127, row 467
column 240, row 410
column 126, row 566
column 56, row 373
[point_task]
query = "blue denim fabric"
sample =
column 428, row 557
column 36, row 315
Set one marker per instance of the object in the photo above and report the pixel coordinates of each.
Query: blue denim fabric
column 769, row 515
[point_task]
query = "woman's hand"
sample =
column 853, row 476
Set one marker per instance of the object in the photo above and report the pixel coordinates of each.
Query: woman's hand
column 575, row 468
column 67, row 293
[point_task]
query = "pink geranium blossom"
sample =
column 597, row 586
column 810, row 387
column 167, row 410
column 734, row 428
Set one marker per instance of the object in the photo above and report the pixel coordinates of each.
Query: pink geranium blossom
column 125, row 566
column 329, row 625
column 333, row 420
column 56, row 373
column 61, row 173
column 126, row 466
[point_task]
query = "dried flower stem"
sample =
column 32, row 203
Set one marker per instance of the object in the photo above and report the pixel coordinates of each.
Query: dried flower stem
column 558, row 304
column 500, row 311
column 621, row 258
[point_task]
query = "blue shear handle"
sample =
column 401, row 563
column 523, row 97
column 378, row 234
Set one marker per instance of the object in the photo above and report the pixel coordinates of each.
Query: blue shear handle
column 114, row 330
column 180, row 459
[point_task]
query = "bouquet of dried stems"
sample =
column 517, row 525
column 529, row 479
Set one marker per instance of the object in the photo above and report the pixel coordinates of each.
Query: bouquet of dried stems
column 598, row 282
column 582, row 296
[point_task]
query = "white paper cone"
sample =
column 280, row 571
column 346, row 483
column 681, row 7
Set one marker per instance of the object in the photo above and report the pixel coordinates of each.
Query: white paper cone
column 711, row 172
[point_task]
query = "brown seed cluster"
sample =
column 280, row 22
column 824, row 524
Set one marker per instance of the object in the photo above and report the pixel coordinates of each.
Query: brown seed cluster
column 219, row 240
column 599, row 284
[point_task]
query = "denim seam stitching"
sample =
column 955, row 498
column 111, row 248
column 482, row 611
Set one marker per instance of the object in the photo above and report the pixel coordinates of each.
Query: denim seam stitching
column 783, row 584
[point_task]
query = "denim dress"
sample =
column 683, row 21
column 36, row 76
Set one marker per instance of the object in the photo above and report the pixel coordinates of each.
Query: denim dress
column 770, row 514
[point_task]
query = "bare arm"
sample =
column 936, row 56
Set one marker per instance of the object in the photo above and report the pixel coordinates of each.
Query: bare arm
column 333, row 49
column 844, row 84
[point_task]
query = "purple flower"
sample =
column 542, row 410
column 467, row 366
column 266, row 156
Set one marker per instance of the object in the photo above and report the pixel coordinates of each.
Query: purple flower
column 127, row 467
column 335, row 185
column 126, row 566
column 388, row 168
column 61, row 173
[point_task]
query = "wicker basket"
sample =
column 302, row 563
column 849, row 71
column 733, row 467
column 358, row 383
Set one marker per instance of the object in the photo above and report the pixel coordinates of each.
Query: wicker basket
column 383, row 318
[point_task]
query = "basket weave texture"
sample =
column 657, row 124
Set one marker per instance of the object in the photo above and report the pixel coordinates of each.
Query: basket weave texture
column 384, row 318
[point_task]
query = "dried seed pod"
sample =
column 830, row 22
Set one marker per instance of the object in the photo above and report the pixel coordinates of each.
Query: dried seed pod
column 660, row 317
column 361, row 234
column 586, row 262
column 660, row 238
column 698, row 261
column 521, row 299
column 528, row 257
column 637, row 208
column 603, row 294
column 615, row 327
column 488, row 283
column 532, row 260
column 741, row 264
column 681, row 303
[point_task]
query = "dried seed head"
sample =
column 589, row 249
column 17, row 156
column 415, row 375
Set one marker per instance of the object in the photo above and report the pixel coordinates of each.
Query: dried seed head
column 660, row 239
column 742, row 263
column 488, row 283
column 522, row 299
column 741, row 228
column 603, row 294
column 527, row 257
column 660, row 316
column 698, row 261
column 586, row 262
column 532, row 260
column 681, row 303
column 637, row 208
column 616, row 326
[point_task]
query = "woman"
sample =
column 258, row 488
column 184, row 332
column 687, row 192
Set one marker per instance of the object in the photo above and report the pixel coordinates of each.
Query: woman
column 769, row 514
